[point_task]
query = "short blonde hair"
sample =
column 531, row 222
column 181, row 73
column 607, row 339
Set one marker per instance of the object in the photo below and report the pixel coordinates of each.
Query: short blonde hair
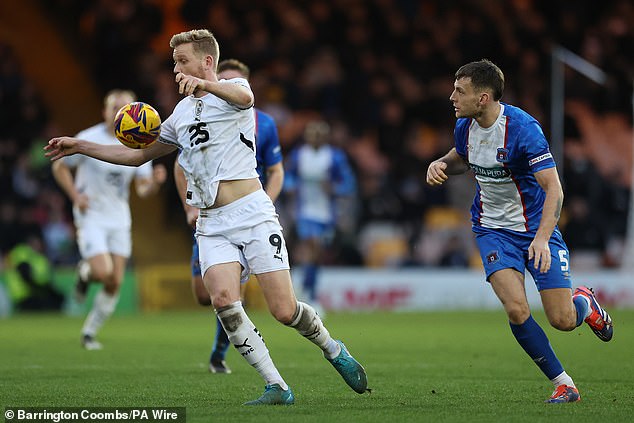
column 117, row 92
column 203, row 41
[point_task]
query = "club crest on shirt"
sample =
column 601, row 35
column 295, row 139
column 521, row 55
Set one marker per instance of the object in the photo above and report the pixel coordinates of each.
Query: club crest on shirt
column 493, row 257
column 199, row 109
column 502, row 155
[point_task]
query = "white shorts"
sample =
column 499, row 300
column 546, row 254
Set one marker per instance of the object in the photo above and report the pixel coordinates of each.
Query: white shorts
column 247, row 231
column 93, row 239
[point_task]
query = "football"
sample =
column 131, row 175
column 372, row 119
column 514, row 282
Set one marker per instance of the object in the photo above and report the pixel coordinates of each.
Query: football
column 137, row 125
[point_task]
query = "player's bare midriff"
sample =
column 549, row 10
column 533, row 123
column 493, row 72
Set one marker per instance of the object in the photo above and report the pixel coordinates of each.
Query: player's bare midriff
column 230, row 191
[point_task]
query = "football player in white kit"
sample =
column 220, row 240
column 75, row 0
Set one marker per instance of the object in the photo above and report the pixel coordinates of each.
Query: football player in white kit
column 270, row 169
column 214, row 129
column 100, row 195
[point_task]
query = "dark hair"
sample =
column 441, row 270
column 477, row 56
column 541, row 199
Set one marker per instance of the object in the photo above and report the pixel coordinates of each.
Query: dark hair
column 236, row 65
column 484, row 74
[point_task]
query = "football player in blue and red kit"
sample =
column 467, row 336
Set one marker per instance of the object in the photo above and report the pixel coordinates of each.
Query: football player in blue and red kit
column 514, row 217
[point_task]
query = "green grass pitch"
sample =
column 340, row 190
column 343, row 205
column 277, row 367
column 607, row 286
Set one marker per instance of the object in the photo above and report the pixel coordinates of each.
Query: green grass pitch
column 423, row 367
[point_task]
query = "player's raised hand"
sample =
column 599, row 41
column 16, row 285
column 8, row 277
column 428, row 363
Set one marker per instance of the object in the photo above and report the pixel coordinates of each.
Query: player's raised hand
column 60, row 146
column 188, row 84
column 436, row 173
column 539, row 252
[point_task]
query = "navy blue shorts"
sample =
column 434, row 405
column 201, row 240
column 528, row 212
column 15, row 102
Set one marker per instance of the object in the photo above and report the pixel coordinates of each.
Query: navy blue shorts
column 307, row 228
column 506, row 249
column 195, row 260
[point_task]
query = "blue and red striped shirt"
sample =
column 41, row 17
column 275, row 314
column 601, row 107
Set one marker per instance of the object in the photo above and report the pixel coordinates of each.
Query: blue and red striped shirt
column 504, row 158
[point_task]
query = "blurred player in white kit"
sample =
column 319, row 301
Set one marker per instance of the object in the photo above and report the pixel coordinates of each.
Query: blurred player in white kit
column 99, row 192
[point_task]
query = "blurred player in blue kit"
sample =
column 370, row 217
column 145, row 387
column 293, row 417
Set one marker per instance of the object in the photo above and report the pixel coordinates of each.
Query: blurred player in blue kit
column 317, row 174
column 237, row 228
column 268, row 154
column 514, row 217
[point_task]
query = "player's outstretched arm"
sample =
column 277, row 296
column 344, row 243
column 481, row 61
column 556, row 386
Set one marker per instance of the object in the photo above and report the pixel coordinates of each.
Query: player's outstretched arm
column 117, row 154
column 449, row 164
column 236, row 94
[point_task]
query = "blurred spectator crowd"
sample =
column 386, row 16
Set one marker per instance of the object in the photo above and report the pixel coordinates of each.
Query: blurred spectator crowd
column 380, row 72
column 31, row 206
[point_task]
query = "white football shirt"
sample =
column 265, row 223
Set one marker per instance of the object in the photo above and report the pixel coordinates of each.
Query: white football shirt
column 314, row 170
column 107, row 185
column 216, row 141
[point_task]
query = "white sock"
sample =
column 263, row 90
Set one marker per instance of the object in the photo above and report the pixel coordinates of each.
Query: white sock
column 309, row 325
column 246, row 338
column 563, row 379
column 85, row 271
column 102, row 308
column 589, row 309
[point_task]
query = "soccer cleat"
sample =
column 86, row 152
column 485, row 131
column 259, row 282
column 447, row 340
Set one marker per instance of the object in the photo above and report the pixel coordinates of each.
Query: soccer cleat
column 81, row 286
column 89, row 343
column 599, row 320
column 564, row 393
column 352, row 372
column 274, row 395
column 219, row 366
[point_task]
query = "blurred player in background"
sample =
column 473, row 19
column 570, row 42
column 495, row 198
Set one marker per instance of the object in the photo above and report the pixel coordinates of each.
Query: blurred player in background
column 100, row 192
column 268, row 154
column 515, row 213
column 237, row 227
column 317, row 174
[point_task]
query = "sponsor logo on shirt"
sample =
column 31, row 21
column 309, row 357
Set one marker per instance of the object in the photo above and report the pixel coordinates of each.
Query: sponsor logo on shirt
column 491, row 172
column 540, row 159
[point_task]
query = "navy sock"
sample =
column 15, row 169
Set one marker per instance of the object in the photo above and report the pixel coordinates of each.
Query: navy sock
column 310, row 280
column 221, row 343
column 582, row 308
column 534, row 341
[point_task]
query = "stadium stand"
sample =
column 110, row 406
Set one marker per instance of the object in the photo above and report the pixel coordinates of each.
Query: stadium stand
column 380, row 71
